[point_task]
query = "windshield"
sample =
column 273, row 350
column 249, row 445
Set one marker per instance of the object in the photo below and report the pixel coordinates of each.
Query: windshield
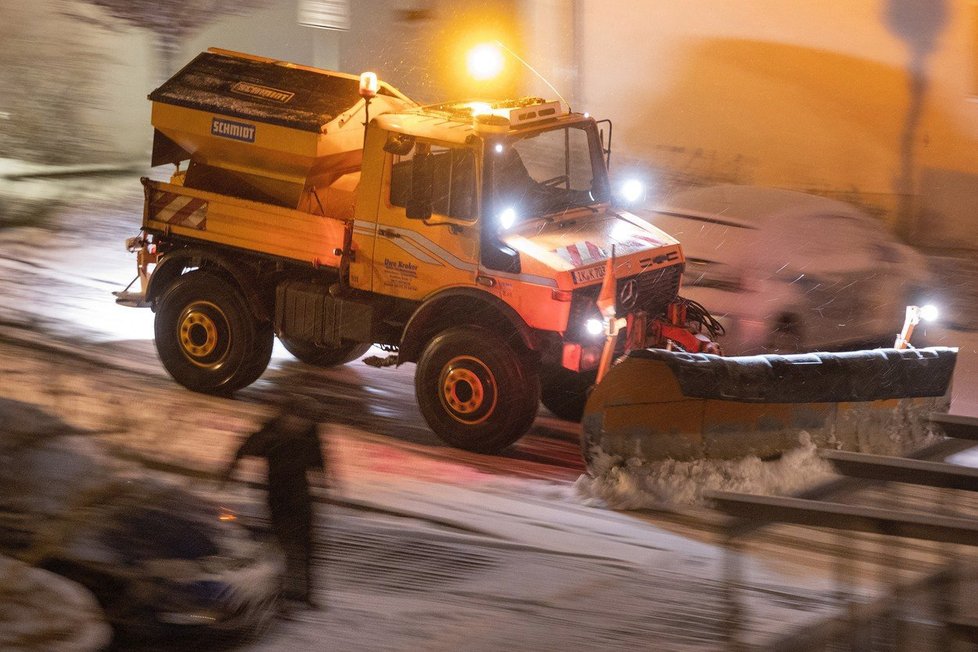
column 547, row 172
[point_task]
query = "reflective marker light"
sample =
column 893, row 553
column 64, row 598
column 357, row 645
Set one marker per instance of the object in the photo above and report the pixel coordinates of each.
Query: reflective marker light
column 485, row 61
column 507, row 218
column 632, row 191
column 594, row 326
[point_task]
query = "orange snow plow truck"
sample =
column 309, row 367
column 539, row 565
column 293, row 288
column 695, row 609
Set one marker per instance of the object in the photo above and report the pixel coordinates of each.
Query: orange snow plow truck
column 470, row 238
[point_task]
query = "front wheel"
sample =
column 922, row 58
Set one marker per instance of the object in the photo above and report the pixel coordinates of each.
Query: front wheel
column 474, row 391
column 564, row 392
column 206, row 336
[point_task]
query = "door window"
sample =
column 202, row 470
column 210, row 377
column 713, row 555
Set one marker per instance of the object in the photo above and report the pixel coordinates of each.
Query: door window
column 453, row 180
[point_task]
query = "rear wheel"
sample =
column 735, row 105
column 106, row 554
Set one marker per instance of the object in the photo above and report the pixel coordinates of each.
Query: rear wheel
column 474, row 391
column 261, row 354
column 207, row 338
column 324, row 356
column 564, row 392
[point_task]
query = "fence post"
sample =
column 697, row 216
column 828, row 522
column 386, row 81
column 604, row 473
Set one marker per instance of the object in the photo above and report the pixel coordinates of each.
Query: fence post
column 731, row 588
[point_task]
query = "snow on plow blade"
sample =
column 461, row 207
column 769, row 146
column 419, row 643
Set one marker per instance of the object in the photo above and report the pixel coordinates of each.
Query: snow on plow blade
column 655, row 404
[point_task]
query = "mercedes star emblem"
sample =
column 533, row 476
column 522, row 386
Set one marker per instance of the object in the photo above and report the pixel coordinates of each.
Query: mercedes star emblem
column 628, row 296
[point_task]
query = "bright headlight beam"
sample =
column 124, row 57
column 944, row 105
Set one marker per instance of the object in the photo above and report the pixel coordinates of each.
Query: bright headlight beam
column 594, row 326
column 929, row 312
column 632, row 190
column 507, row 218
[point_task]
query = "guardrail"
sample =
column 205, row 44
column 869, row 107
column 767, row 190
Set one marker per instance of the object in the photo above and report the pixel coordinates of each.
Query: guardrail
column 882, row 623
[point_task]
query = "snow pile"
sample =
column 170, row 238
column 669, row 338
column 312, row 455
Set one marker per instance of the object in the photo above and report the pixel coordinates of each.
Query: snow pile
column 42, row 611
column 634, row 484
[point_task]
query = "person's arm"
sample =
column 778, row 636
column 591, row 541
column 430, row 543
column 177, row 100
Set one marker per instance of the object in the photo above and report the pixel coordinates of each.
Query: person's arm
column 319, row 456
column 252, row 445
column 229, row 471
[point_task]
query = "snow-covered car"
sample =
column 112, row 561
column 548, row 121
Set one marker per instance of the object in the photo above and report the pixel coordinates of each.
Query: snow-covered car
column 159, row 558
column 785, row 271
column 43, row 611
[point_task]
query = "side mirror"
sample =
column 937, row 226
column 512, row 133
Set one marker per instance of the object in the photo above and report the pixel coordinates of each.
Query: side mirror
column 422, row 185
column 499, row 256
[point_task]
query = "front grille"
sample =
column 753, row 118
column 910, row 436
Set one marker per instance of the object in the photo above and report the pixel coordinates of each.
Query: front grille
column 657, row 288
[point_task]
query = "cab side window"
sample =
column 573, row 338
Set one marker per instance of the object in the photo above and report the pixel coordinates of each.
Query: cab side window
column 453, row 180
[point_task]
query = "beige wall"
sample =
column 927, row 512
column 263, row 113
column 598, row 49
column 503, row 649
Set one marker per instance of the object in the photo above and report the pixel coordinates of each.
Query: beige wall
column 69, row 62
column 70, row 86
column 804, row 95
column 811, row 96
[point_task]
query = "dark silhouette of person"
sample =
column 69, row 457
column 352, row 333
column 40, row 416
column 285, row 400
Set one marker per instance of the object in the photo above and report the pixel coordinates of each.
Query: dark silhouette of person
column 290, row 444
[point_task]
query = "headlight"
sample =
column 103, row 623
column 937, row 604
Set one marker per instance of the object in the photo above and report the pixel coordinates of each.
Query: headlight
column 632, row 191
column 594, row 326
column 507, row 218
column 929, row 312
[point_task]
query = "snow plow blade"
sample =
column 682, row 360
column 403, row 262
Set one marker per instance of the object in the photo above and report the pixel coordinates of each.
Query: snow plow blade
column 655, row 404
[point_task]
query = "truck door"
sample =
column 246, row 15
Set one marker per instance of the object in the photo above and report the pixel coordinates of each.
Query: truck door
column 438, row 246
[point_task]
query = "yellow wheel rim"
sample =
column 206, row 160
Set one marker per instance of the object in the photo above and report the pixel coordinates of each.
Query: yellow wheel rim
column 468, row 390
column 203, row 334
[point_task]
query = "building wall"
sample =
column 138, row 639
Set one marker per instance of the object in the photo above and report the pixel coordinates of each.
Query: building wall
column 65, row 96
column 74, row 75
column 872, row 101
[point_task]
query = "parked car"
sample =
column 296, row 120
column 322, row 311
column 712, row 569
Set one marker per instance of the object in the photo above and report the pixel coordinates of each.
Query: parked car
column 159, row 558
column 43, row 611
column 786, row 271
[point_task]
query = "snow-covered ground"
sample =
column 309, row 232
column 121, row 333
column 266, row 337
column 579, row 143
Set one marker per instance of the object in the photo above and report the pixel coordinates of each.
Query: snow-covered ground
column 551, row 591
column 552, row 550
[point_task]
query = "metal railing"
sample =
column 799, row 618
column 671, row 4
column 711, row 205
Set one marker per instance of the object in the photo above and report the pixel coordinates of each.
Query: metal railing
column 888, row 622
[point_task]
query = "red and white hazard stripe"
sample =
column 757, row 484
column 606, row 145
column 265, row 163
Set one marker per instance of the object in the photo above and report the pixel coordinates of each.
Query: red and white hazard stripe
column 179, row 210
column 581, row 253
column 645, row 240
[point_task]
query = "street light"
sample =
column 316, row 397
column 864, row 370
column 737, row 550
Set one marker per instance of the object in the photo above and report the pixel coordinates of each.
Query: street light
column 485, row 61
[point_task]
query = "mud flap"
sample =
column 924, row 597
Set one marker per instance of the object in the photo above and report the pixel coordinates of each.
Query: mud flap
column 655, row 404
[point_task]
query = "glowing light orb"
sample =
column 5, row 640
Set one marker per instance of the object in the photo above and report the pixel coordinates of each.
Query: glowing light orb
column 485, row 61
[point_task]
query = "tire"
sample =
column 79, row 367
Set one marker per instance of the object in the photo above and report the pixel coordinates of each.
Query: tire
column 324, row 356
column 474, row 391
column 261, row 354
column 206, row 336
column 565, row 392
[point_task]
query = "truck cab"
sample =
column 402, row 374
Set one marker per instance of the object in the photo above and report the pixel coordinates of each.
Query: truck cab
column 510, row 200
